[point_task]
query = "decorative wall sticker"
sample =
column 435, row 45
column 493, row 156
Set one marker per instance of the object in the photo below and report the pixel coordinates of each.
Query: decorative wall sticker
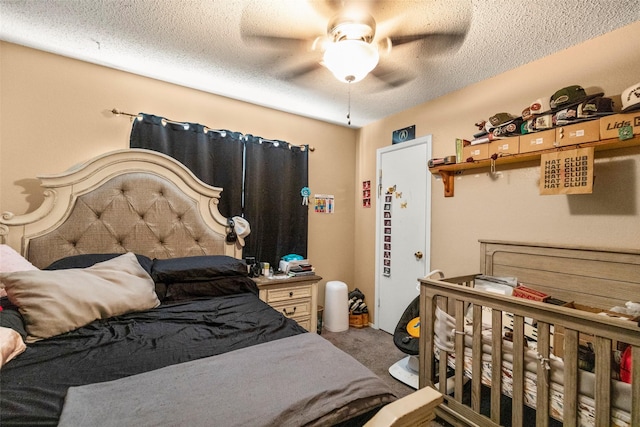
column 305, row 193
column 386, row 248
column 324, row 203
column 366, row 194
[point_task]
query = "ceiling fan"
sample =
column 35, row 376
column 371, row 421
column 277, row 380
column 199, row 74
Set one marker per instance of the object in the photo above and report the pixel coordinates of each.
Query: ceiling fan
column 354, row 46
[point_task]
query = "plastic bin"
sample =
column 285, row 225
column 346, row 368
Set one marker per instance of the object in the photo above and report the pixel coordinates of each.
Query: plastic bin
column 336, row 306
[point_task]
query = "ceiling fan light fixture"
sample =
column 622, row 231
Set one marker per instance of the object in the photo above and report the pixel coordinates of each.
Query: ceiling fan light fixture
column 350, row 60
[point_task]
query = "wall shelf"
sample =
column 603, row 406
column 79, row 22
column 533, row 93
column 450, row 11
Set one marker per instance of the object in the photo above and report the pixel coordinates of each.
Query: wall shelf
column 448, row 172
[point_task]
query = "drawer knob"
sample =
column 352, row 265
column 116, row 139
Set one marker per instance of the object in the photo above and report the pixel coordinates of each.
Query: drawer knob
column 290, row 294
column 286, row 313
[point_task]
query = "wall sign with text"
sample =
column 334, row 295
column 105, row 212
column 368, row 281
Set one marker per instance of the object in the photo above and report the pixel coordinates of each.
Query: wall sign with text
column 567, row 172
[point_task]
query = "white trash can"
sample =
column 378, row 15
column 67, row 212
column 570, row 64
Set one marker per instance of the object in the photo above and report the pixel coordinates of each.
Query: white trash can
column 336, row 306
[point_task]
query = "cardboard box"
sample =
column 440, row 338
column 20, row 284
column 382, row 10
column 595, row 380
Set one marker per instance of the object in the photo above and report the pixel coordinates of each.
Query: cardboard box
column 505, row 146
column 538, row 141
column 578, row 133
column 477, row 152
column 610, row 125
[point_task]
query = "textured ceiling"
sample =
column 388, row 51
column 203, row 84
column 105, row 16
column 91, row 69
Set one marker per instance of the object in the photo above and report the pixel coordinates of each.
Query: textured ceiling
column 199, row 44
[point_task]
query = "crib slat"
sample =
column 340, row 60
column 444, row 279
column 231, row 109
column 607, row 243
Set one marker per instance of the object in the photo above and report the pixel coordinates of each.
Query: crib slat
column 442, row 372
column 543, row 376
column 635, row 386
column 603, row 382
column 427, row 359
column 444, row 357
column 570, row 404
column 496, row 364
column 459, row 350
column 476, row 358
column 517, row 405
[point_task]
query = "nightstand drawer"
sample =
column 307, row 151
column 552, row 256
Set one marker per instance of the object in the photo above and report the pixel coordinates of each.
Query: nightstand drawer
column 294, row 309
column 294, row 297
column 286, row 294
column 305, row 322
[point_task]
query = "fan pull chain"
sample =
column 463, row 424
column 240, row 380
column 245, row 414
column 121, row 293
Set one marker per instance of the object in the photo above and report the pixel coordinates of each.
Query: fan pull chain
column 349, row 111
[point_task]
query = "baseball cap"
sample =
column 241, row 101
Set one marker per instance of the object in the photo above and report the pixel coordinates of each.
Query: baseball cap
column 512, row 127
column 598, row 106
column 528, row 126
column 539, row 106
column 536, row 108
column 631, row 98
column 500, row 119
column 241, row 228
column 569, row 96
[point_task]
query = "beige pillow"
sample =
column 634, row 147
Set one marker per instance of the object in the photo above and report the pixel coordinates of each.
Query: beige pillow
column 10, row 260
column 11, row 345
column 56, row 301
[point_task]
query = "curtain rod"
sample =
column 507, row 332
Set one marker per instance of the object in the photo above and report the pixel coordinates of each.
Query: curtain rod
column 117, row 112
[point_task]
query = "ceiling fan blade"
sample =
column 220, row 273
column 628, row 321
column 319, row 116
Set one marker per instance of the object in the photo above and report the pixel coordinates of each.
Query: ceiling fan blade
column 277, row 42
column 436, row 42
column 391, row 76
column 299, row 71
column 450, row 38
column 330, row 8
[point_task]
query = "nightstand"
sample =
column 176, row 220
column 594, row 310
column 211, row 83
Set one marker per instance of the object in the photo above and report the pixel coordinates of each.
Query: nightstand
column 294, row 297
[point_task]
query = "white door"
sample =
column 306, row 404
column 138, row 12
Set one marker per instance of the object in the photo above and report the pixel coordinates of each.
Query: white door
column 403, row 225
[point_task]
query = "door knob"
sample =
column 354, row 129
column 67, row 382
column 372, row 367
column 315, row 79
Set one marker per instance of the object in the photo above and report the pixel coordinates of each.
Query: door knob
column 418, row 255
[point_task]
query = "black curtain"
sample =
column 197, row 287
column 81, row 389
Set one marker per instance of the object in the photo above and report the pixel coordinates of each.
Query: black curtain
column 276, row 172
column 215, row 157
column 261, row 179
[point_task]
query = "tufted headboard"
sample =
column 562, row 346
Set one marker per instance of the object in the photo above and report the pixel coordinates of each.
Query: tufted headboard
column 127, row 200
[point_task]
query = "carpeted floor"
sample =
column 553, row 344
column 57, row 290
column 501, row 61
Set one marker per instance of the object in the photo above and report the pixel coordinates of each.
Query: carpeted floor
column 374, row 349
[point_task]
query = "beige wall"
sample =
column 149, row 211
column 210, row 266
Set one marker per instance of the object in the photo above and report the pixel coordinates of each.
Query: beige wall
column 508, row 207
column 55, row 112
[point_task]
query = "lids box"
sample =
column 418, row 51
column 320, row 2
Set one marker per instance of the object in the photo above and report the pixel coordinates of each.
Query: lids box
column 610, row 125
column 537, row 141
column 578, row 133
column 477, row 152
column 504, row 146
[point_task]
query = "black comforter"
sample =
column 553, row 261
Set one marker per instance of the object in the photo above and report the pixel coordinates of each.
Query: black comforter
column 33, row 386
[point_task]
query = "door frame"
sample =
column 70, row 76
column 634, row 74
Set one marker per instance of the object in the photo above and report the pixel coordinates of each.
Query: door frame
column 428, row 140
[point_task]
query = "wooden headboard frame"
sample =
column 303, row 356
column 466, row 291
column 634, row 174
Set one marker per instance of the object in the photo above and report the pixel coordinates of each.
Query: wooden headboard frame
column 126, row 200
column 597, row 277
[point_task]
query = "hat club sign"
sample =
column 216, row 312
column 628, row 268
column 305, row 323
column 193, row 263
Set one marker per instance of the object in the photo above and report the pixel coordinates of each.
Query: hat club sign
column 567, row 172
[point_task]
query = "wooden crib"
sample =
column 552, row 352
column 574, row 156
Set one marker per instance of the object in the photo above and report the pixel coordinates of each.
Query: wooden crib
column 556, row 387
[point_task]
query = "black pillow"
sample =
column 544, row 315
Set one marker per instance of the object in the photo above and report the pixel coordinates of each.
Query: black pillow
column 196, row 268
column 219, row 286
column 87, row 260
column 13, row 319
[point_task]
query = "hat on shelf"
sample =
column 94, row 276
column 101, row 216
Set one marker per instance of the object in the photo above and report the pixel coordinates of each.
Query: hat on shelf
column 543, row 122
column 528, row 126
column 510, row 128
column 500, row 119
column 631, row 98
column 598, row 106
column 570, row 96
column 537, row 107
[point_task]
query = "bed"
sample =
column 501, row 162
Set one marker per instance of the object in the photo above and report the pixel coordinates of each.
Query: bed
column 490, row 344
column 136, row 309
